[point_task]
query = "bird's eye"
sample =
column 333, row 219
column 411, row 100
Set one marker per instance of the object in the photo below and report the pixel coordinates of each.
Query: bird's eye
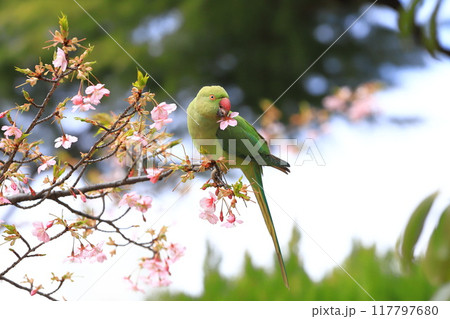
column 212, row 97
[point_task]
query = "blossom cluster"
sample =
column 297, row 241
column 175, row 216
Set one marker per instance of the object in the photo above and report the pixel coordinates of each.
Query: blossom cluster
column 90, row 252
column 160, row 115
column 94, row 94
column 356, row 105
column 132, row 199
column 93, row 253
column 13, row 133
column 136, row 125
column 208, row 206
column 155, row 271
column 40, row 231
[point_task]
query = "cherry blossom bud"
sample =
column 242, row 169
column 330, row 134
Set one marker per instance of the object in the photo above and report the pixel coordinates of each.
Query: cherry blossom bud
column 13, row 185
column 231, row 218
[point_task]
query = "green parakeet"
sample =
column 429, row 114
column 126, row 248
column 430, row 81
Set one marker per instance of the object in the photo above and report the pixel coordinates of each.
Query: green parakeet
column 238, row 142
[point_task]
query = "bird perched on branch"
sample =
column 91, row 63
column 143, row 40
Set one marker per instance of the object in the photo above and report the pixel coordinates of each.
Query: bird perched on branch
column 217, row 132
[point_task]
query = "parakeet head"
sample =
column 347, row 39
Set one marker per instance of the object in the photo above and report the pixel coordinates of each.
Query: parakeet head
column 213, row 101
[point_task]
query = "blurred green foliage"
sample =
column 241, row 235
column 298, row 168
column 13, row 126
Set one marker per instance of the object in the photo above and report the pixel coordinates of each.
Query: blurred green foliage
column 393, row 275
column 379, row 274
column 413, row 230
column 383, row 276
column 256, row 49
column 436, row 262
column 437, row 256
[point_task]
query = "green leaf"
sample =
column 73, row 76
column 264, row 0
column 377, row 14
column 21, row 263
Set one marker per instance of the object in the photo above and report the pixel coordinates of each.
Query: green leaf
column 141, row 80
column 24, row 71
column 64, row 25
column 413, row 230
column 430, row 38
column 10, row 229
column 63, row 103
column 24, row 136
column 406, row 18
column 437, row 257
column 26, row 95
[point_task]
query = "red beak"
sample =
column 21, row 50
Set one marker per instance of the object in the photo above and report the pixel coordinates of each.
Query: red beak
column 225, row 104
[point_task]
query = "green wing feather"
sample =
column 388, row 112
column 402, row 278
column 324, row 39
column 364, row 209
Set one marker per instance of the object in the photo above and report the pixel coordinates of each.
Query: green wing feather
column 245, row 135
column 249, row 144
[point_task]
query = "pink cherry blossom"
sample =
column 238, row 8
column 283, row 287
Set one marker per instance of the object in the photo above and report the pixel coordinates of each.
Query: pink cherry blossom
column 175, row 252
column 160, row 115
column 4, row 200
column 77, row 99
column 228, row 120
column 231, row 221
column 208, row 204
column 137, row 137
column 159, row 124
column 81, row 103
column 133, row 286
column 60, row 60
column 129, row 199
column 162, row 282
column 153, row 174
column 93, row 253
column 361, row 108
column 14, row 186
column 47, row 161
column 162, row 111
column 96, row 93
column 155, row 265
column 338, row 101
column 101, row 257
column 2, row 221
column 73, row 258
column 333, row 103
column 144, row 203
column 141, row 203
column 40, row 232
column 65, row 141
column 10, row 187
column 96, row 253
column 209, row 216
column 82, row 252
column 12, row 130
column 159, row 272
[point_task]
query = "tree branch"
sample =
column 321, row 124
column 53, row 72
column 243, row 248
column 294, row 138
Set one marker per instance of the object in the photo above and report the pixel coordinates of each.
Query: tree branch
column 26, row 288
column 15, row 199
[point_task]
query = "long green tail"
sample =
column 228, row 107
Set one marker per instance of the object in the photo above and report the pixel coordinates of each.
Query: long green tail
column 253, row 172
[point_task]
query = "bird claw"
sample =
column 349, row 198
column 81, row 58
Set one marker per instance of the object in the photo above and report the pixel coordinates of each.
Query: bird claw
column 217, row 176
